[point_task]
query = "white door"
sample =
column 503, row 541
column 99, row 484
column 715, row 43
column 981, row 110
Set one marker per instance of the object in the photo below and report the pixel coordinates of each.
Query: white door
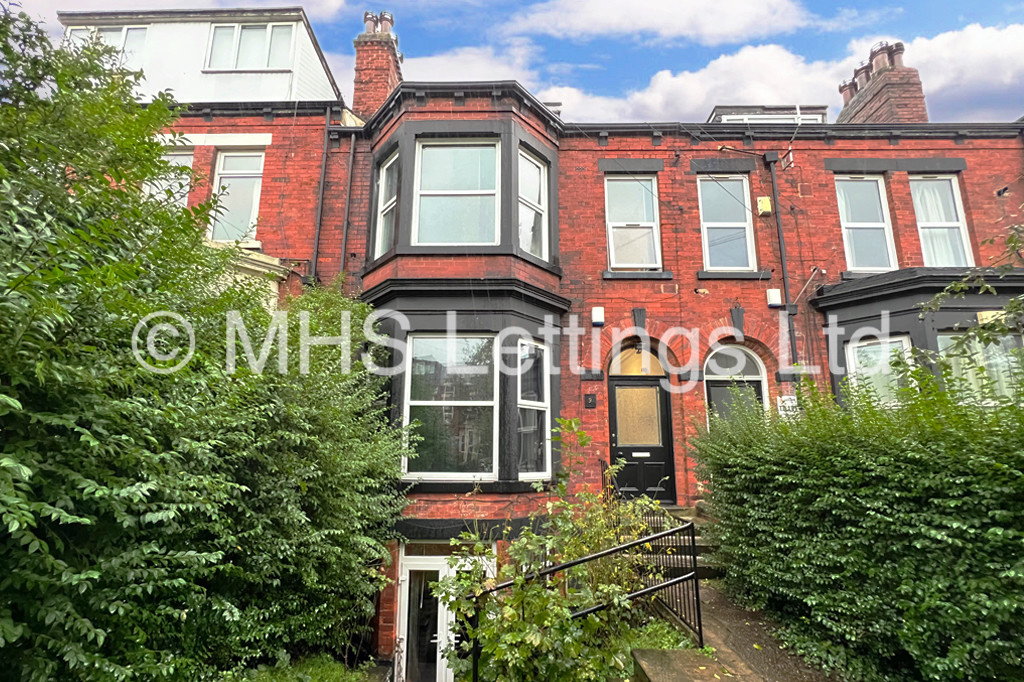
column 424, row 624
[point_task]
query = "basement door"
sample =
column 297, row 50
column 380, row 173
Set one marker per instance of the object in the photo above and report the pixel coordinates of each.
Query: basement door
column 424, row 624
column 641, row 436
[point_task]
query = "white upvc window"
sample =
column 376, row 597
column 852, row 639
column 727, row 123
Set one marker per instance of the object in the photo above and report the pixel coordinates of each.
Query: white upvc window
column 250, row 47
column 238, row 179
column 940, row 221
column 867, row 231
column 869, row 363
column 173, row 189
column 631, row 207
column 387, row 205
column 456, row 201
column 451, row 389
column 533, row 205
column 533, row 392
column 130, row 40
column 727, row 231
column 999, row 361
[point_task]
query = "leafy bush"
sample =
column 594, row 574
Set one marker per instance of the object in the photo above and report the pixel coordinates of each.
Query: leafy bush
column 160, row 526
column 527, row 632
column 887, row 538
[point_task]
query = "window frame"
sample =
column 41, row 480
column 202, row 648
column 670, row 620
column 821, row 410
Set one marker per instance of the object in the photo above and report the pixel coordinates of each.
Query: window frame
column 219, row 174
column 542, row 209
column 494, row 404
column 655, row 226
column 979, row 350
column 890, row 244
column 383, row 206
column 236, row 37
column 94, row 32
column 544, row 406
column 850, row 347
column 748, row 225
column 965, row 237
column 761, row 377
column 417, row 192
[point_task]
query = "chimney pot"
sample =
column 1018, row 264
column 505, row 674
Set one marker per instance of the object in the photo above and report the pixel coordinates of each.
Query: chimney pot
column 370, row 22
column 862, row 74
column 879, row 56
column 387, row 22
column 848, row 89
column 896, row 54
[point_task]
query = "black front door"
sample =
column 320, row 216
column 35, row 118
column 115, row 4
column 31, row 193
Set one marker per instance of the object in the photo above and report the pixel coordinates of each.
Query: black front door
column 641, row 436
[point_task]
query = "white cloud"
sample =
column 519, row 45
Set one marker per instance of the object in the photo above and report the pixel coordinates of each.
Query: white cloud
column 972, row 74
column 763, row 74
column 513, row 60
column 710, row 22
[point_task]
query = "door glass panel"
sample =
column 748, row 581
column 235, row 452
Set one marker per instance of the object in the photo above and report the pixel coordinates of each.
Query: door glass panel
column 422, row 635
column 637, row 415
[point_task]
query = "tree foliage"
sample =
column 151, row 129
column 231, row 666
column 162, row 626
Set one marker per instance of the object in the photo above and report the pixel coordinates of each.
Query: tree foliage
column 160, row 526
column 886, row 537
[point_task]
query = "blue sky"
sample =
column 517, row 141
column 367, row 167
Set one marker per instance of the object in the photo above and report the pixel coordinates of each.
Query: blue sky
column 661, row 60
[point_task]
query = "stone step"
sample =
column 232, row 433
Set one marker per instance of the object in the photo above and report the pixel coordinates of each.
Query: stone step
column 676, row 665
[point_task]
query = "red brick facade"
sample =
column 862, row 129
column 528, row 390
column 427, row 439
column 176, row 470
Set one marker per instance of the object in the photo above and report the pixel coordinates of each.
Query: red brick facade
column 986, row 162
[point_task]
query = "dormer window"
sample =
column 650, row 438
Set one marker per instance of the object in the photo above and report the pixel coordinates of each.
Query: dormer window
column 130, row 40
column 250, row 47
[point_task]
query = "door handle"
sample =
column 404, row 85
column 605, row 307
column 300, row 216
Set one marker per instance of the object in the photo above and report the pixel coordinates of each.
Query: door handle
column 641, row 454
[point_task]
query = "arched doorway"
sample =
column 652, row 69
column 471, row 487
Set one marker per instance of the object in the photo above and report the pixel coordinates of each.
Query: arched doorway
column 732, row 368
column 640, row 422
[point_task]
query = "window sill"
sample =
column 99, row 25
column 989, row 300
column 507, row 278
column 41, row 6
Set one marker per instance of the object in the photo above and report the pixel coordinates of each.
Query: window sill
column 735, row 274
column 637, row 274
column 246, row 71
column 462, row 487
column 847, row 275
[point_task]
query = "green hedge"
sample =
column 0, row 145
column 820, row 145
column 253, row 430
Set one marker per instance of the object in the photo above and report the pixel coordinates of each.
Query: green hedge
column 889, row 540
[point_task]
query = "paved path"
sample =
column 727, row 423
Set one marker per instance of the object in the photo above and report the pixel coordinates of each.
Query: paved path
column 744, row 647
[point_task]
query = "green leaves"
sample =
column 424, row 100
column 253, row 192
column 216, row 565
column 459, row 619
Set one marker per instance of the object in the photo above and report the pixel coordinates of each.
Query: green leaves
column 159, row 527
column 887, row 538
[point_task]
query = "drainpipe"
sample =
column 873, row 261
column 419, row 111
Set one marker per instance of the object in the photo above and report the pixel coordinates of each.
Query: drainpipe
column 348, row 197
column 772, row 159
column 320, row 199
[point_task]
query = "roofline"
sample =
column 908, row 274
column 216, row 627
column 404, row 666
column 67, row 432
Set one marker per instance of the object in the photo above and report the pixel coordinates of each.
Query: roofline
column 792, row 107
column 88, row 17
column 696, row 130
column 906, row 281
column 284, row 107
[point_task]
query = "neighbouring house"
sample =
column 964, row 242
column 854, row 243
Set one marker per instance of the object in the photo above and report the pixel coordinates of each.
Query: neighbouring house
column 647, row 267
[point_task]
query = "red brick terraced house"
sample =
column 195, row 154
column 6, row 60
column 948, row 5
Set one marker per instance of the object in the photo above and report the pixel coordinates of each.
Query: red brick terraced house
column 645, row 267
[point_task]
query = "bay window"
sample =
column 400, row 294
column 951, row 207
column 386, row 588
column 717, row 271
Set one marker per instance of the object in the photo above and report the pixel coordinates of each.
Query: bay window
column 867, row 233
column 631, row 207
column 452, row 391
column 869, row 363
column 387, row 206
column 940, row 221
column 533, row 409
column 997, row 360
column 456, row 199
column 533, row 203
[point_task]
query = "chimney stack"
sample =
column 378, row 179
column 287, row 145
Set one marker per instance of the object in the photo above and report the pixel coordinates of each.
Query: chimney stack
column 378, row 68
column 883, row 90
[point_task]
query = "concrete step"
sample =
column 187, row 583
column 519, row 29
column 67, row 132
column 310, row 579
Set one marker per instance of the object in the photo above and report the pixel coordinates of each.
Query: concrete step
column 678, row 665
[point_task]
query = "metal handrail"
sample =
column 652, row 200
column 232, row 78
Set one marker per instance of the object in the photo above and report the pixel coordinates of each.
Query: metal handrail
column 650, row 590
